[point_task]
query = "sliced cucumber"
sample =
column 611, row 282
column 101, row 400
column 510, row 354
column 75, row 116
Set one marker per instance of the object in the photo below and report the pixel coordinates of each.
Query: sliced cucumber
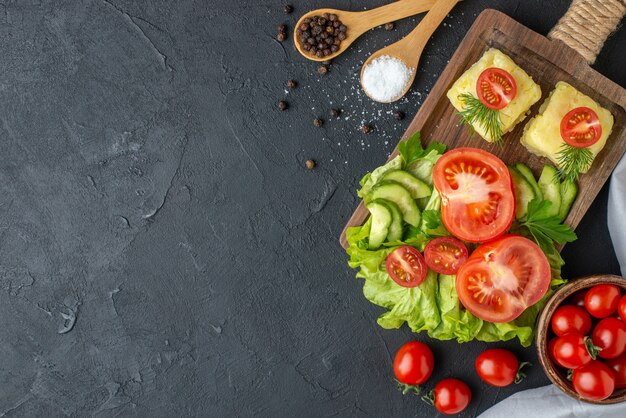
column 396, row 193
column 551, row 188
column 524, row 193
column 530, row 178
column 423, row 170
column 569, row 190
column 381, row 219
column 415, row 186
column 395, row 228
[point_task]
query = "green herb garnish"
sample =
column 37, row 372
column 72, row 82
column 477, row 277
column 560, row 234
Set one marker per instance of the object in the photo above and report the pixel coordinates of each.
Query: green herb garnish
column 573, row 161
column 476, row 111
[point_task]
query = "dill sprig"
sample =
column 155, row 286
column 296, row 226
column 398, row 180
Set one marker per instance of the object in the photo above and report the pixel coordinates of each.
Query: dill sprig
column 573, row 161
column 475, row 111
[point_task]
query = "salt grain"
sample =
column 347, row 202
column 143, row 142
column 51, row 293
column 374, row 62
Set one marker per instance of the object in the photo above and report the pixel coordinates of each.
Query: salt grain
column 385, row 78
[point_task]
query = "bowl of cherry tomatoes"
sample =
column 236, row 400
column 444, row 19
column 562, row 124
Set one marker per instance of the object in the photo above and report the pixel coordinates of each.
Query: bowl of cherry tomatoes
column 581, row 339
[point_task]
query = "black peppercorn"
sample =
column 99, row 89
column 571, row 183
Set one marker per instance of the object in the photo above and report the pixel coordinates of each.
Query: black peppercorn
column 282, row 105
column 281, row 37
column 398, row 115
column 292, row 84
column 318, row 122
column 366, row 129
column 310, row 164
column 281, row 28
column 334, row 113
column 322, row 69
column 321, row 32
column 389, row 26
column 288, row 9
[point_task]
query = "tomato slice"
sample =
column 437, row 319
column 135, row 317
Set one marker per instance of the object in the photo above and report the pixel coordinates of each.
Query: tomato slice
column 581, row 127
column 406, row 266
column 477, row 199
column 495, row 88
column 502, row 278
column 445, row 255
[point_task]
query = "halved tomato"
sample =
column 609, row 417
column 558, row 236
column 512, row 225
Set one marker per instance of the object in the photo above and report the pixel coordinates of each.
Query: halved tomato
column 445, row 255
column 502, row 278
column 477, row 200
column 495, row 88
column 406, row 266
column 581, row 127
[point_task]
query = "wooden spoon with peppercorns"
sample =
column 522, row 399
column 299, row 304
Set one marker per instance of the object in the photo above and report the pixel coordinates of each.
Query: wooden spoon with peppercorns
column 323, row 34
column 409, row 49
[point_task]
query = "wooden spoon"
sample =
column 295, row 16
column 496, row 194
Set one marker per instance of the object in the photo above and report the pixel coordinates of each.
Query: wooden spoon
column 358, row 23
column 409, row 49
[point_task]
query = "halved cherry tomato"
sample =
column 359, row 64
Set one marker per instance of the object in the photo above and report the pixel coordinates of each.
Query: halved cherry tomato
column 618, row 365
column 580, row 127
column 497, row 367
column 477, row 199
column 572, row 351
column 568, row 318
column 445, row 255
column 496, row 88
column 595, row 381
column 413, row 363
column 502, row 278
column 602, row 300
column 406, row 266
column 621, row 308
column 452, row 396
column 610, row 335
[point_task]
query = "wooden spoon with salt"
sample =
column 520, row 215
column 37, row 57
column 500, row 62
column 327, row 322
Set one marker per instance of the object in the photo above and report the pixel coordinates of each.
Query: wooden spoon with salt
column 358, row 23
column 409, row 49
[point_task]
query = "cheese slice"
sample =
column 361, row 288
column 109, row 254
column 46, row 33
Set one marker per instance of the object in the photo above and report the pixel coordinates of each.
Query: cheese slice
column 528, row 92
column 542, row 134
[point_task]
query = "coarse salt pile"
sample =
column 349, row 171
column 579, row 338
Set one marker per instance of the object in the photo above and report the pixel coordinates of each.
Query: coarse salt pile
column 385, row 78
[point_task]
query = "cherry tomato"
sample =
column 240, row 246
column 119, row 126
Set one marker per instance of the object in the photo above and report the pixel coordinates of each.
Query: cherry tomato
column 621, row 308
column 594, row 381
column 406, row 266
column 618, row 365
column 568, row 318
column 452, row 396
column 581, row 127
column 413, row 363
column 610, row 335
column 497, row 367
column 602, row 300
column 578, row 298
column 477, row 199
column 496, row 88
column 445, row 255
column 572, row 351
column 502, row 278
column 551, row 345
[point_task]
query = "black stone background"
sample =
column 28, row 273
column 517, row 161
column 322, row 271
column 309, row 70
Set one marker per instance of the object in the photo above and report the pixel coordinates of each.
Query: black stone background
column 149, row 184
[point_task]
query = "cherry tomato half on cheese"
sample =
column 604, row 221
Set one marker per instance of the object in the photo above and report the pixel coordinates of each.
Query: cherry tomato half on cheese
column 445, row 255
column 581, row 127
column 406, row 266
column 495, row 88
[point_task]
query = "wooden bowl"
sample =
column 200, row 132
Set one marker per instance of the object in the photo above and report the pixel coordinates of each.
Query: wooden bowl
column 556, row 373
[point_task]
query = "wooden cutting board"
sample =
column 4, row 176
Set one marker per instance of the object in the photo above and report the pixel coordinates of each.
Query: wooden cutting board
column 547, row 61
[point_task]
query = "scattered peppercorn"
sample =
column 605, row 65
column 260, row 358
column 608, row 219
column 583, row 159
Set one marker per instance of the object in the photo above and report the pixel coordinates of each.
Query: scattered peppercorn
column 321, row 36
column 282, row 28
column 318, row 122
column 334, row 113
column 288, row 9
column 292, row 84
column 282, row 105
column 322, row 69
column 366, row 129
column 281, row 37
column 398, row 115
column 310, row 164
column 389, row 26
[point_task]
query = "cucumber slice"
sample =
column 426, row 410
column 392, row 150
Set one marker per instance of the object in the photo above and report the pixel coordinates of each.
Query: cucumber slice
column 569, row 190
column 415, row 186
column 381, row 219
column 551, row 188
column 530, row 178
column 524, row 193
column 396, row 193
column 395, row 228
column 423, row 170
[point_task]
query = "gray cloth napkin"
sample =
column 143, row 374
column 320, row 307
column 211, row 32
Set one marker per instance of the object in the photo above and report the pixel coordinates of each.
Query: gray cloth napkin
column 549, row 401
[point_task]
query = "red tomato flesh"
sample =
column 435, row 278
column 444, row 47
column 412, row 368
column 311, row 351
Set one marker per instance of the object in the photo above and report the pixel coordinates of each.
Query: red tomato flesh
column 568, row 318
column 502, row 278
column 477, row 199
column 602, row 300
column 595, row 381
column 445, row 255
column 495, row 88
column 497, row 367
column 581, row 127
column 413, row 363
column 610, row 335
column 406, row 266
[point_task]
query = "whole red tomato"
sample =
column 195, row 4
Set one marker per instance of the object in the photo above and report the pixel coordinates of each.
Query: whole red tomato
column 451, row 396
column 578, row 298
column 618, row 365
column 621, row 308
column 568, row 318
column 573, row 351
column 497, row 367
column 413, row 364
column 610, row 336
column 594, row 381
column 602, row 300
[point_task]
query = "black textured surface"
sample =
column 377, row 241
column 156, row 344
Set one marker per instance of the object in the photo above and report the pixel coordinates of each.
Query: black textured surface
column 152, row 190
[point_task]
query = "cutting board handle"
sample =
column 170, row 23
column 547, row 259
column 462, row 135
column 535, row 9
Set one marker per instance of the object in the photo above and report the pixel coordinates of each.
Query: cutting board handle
column 587, row 24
